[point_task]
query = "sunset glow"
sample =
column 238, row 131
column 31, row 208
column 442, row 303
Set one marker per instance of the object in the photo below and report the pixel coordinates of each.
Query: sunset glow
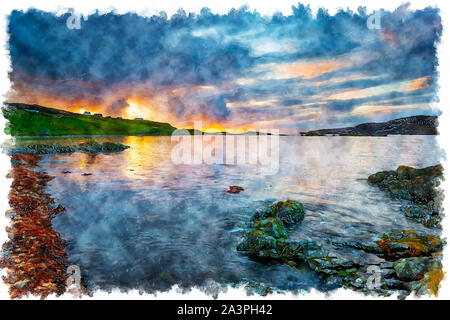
column 262, row 76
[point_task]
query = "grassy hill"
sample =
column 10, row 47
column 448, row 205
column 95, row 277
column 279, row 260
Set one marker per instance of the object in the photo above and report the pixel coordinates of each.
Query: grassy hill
column 35, row 120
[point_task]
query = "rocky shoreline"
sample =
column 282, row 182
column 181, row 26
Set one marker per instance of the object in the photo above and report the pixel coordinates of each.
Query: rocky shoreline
column 395, row 262
column 419, row 187
column 90, row 147
column 34, row 256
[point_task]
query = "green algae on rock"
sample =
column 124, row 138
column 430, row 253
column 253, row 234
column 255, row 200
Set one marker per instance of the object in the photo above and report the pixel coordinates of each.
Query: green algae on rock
column 409, row 243
column 90, row 147
column 419, row 186
column 406, row 260
column 264, row 239
column 414, row 268
column 290, row 212
column 267, row 237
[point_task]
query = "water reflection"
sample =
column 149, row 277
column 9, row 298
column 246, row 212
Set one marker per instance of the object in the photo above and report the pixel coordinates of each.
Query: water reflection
column 140, row 221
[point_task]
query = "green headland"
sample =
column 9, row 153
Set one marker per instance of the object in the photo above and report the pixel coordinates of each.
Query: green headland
column 35, row 120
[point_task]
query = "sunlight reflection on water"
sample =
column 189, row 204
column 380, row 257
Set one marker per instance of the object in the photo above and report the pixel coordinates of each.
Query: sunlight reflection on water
column 139, row 221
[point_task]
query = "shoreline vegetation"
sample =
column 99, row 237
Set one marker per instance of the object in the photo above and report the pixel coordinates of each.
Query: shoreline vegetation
column 34, row 120
column 407, row 261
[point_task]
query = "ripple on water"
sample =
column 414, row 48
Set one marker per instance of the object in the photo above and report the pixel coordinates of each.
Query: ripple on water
column 163, row 224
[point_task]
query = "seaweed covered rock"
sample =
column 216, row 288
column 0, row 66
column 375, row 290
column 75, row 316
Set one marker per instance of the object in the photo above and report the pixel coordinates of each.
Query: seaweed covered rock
column 262, row 240
column 419, row 186
column 428, row 214
column 91, row 147
column 424, row 274
column 405, row 260
column 94, row 147
column 290, row 212
column 407, row 183
column 267, row 236
column 34, row 256
column 412, row 263
column 408, row 243
column 411, row 269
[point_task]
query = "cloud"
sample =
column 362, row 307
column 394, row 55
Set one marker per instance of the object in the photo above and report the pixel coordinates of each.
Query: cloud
column 117, row 107
column 219, row 67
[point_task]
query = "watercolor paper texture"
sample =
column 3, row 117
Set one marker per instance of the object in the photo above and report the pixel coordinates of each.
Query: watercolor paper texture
column 275, row 153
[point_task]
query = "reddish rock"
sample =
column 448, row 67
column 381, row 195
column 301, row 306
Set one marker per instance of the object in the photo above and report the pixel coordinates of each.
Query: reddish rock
column 235, row 189
column 35, row 256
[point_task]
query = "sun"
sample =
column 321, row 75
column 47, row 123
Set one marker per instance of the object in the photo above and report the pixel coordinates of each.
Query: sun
column 136, row 110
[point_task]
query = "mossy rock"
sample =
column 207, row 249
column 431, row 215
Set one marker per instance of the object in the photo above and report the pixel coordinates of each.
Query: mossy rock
column 411, row 269
column 419, row 186
column 290, row 212
column 263, row 237
column 408, row 183
column 271, row 227
column 409, row 243
column 90, row 146
column 425, row 214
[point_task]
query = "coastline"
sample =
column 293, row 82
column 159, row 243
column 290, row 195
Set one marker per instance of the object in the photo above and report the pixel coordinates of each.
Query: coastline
column 34, row 255
column 402, row 251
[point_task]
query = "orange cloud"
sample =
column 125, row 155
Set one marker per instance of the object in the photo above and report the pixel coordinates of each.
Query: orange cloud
column 419, row 83
column 307, row 70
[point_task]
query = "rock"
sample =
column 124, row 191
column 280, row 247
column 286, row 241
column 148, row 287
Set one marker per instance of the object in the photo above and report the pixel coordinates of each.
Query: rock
column 262, row 239
column 418, row 287
column 408, row 243
column 424, row 214
column 419, row 186
column 430, row 282
column 91, row 147
column 272, row 227
column 290, row 212
column 259, row 288
column 397, row 244
column 291, row 263
column 334, row 282
column 235, row 189
column 367, row 246
column 387, row 264
column 411, row 268
column 34, row 258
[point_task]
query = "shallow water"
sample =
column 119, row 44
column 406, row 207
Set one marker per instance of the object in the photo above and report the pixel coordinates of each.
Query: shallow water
column 140, row 221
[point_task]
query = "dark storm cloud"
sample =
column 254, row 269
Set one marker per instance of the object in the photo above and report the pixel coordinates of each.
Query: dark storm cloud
column 113, row 51
column 117, row 106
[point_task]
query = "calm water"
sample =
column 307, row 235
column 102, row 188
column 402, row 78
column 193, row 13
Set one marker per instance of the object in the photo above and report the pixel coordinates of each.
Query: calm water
column 140, row 221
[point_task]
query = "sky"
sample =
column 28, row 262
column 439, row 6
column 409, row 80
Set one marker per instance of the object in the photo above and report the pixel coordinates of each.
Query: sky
column 240, row 70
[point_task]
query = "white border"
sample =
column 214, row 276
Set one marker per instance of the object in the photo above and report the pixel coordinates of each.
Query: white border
column 266, row 7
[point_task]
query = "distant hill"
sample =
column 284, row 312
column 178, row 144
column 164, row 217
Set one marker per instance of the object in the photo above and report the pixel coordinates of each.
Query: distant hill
column 198, row 132
column 34, row 120
column 415, row 125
